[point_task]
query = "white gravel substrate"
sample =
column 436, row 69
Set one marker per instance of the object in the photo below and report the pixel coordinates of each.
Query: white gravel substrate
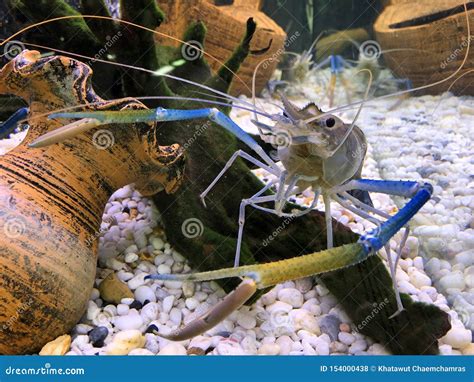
column 297, row 317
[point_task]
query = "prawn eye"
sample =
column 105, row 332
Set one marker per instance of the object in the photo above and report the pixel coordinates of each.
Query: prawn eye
column 330, row 122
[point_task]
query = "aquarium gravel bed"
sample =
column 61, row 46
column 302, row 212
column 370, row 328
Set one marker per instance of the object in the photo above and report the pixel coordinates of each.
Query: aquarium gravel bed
column 297, row 317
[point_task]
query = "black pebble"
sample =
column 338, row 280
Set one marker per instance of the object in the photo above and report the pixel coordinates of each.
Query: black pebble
column 224, row 334
column 136, row 305
column 98, row 335
column 151, row 329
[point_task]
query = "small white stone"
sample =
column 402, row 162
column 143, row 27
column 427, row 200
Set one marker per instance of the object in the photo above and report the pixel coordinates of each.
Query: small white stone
column 227, row 347
column 189, row 288
column 457, row 337
column 168, row 302
column 357, row 346
column 122, row 309
column 466, row 258
column 157, row 243
column 418, row 279
column 131, row 257
column 312, row 306
column 291, row 296
column 246, row 321
column 406, row 287
column 176, row 316
column 122, row 193
column 95, row 294
column 191, row 303
column 445, row 349
column 453, row 280
column 160, row 259
column 200, row 342
column 144, row 293
column 322, row 290
column 338, row 347
column 377, row 349
column 418, row 263
column 249, row 344
column 132, row 249
column 150, row 311
column 82, row 328
column 163, row 269
column 128, row 322
column 269, row 349
column 136, row 281
column 346, row 338
column 302, row 319
column 124, row 342
column 307, row 348
column 173, row 348
column 285, row 343
column 80, row 341
column 322, row 348
column 269, row 297
column 279, row 307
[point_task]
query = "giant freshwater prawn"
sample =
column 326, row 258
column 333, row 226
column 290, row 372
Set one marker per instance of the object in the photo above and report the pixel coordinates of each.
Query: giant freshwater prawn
column 316, row 149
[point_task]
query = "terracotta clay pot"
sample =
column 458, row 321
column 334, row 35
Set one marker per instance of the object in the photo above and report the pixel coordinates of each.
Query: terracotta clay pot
column 427, row 41
column 226, row 25
column 52, row 199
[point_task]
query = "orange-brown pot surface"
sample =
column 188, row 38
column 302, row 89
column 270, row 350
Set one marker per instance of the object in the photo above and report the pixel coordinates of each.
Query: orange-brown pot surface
column 52, row 199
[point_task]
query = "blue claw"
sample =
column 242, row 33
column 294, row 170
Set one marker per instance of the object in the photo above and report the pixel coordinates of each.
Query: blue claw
column 420, row 193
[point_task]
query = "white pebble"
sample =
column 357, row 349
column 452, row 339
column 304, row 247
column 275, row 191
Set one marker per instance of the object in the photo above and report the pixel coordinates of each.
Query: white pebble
column 346, row 338
column 453, row 280
column 457, row 337
column 128, row 322
column 269, row 349
column 122, row 309
column 247, row 321
column 291, row 296
column 144, row 293
column 357, row 346
column 302, row 319
column 168, row 302
column 131, row 257
column 227, row 347
column 157, row 243
column 176, row 316
column 191, row 303
column 418, row 279
column 173, row 348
